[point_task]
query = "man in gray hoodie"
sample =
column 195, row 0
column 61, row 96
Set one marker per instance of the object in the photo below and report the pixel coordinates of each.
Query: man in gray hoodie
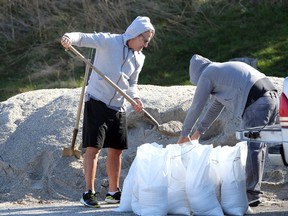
column 120, row 58
column 244, row 91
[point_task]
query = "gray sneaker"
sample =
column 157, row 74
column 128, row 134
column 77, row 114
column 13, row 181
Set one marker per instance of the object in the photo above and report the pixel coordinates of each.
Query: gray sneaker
column 113, row 199
column 90, row 200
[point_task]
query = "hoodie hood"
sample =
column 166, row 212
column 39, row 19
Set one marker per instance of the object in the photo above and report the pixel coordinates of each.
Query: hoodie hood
column 197, row 66
column 140, row 25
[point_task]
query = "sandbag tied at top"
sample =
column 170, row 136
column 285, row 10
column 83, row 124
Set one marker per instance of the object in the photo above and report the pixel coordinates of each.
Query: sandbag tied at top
column 177, row 200
column 200, row 187
column 233, row 187
column 152, row 178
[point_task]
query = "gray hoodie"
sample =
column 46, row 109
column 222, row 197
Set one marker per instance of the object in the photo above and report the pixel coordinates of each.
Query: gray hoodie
column 114, row 59
column 228, row 83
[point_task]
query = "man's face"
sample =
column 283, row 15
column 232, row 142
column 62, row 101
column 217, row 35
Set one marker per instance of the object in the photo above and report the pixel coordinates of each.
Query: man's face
column 141, row 41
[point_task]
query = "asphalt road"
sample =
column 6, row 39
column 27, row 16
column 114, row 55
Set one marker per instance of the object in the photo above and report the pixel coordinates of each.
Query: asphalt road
column 76, row 208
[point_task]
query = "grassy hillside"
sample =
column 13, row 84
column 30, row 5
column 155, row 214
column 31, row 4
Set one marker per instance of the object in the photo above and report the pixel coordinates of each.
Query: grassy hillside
column 31, row 56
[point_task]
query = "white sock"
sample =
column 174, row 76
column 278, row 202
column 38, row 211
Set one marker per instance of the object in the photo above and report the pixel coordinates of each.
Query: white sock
column 112, row 193
column 88, row 192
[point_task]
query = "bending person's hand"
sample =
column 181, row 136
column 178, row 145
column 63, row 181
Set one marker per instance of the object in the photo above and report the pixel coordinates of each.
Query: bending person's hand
column 183, row 139
column 195, row 136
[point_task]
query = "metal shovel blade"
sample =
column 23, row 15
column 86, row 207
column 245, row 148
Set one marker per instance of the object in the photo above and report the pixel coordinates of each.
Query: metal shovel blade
column 71, row 151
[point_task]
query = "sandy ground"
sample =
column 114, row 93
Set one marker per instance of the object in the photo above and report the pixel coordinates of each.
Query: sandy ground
column 65, row 208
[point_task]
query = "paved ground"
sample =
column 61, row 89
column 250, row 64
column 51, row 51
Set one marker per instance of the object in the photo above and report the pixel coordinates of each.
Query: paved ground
column 75, row 208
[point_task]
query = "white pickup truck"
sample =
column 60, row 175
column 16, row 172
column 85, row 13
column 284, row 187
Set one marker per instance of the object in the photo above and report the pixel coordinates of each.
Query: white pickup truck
column 276, row 134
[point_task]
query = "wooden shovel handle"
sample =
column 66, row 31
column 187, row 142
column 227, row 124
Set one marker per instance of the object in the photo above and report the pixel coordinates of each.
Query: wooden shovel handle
column 76, row 128
column 126, row 96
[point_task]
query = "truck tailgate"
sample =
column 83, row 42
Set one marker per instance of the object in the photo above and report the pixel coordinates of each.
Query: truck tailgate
column 269, row 134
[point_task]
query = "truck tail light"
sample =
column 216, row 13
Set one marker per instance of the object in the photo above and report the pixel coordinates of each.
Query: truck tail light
column 283, row 111
column 283, row 114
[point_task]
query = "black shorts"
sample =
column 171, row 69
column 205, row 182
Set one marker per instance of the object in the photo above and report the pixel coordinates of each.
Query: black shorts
column 103, row 127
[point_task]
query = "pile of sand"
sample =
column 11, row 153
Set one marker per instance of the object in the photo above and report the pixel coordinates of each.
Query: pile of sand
column 36, row 126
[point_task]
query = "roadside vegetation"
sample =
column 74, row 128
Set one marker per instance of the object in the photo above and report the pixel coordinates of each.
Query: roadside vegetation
column 30, row 30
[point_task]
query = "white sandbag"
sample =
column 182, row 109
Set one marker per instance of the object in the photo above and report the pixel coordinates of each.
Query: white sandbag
column 233, row 189
column 135, row 205
column 177, row 200
column 186, row 148
column 215, row 170
column 200, row 187
column 152, row 178
column 127, row 190
column 233, row 198
column 153, row 200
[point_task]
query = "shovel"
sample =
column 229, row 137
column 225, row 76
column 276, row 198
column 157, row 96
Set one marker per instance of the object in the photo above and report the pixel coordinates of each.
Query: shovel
column 164, row 129
column 71, row 151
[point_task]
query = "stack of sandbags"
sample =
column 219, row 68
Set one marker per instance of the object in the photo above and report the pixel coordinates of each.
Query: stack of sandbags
column 186, row 178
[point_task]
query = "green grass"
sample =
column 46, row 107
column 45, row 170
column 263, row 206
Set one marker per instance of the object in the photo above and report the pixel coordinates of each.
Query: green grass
column 217, row 29
column 222, row 32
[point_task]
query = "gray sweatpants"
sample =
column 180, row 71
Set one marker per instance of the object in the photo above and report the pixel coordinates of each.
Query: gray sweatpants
column 262, row 112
